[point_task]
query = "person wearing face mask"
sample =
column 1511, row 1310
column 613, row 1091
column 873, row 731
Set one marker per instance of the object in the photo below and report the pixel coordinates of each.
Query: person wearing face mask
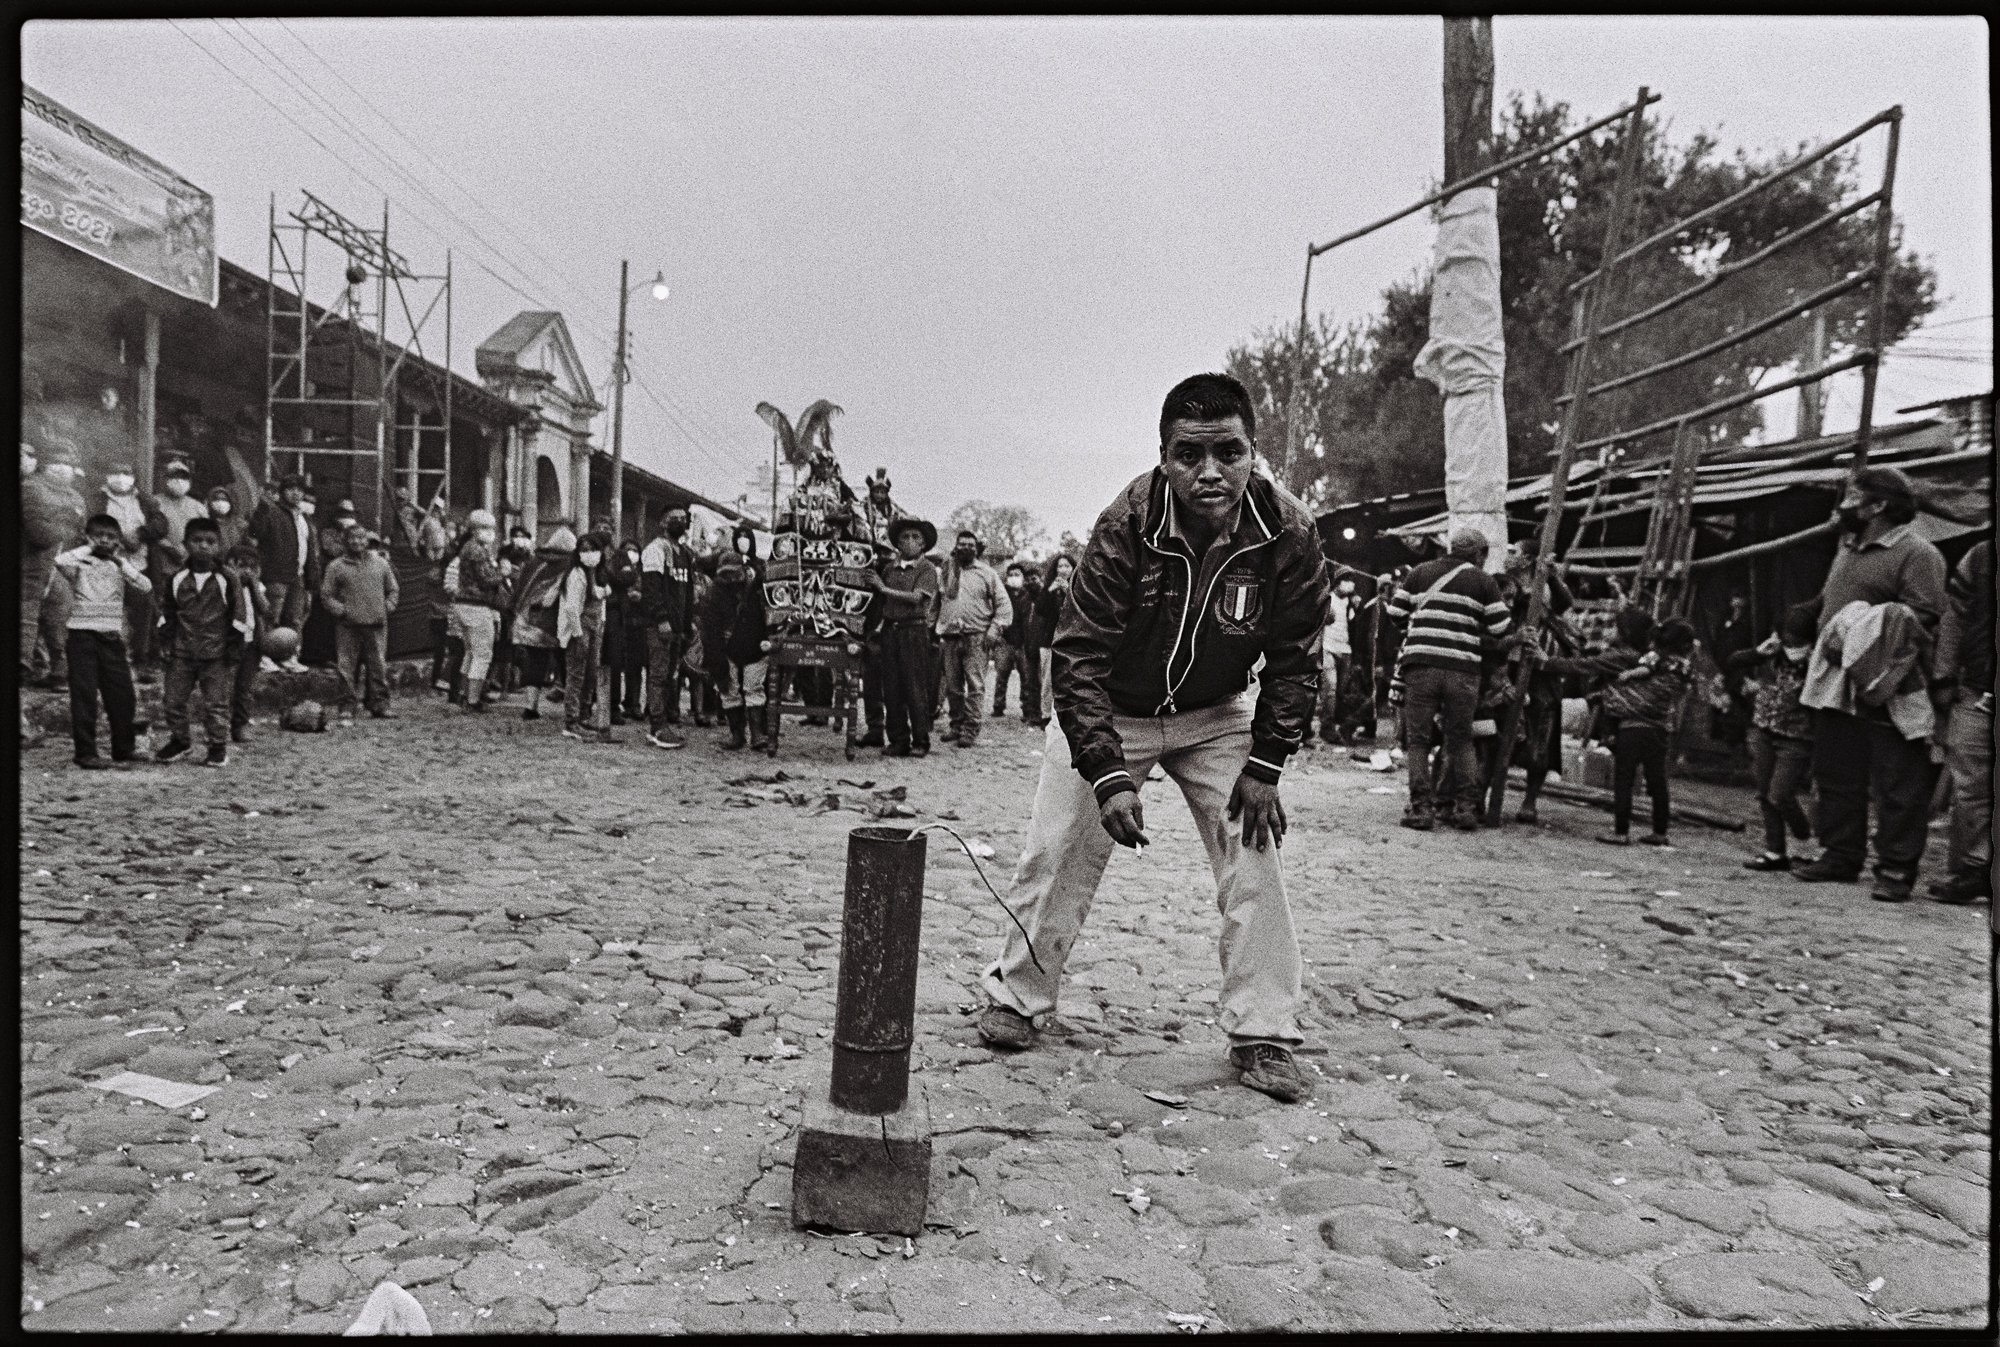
column 283, row 535
column 221, row 507
column 666, row 605
column 178, row 506
column 625, row 634
column 1859, row 753
column 480, row 592
column 973, row 617
column 1048, row 615
column 1199, row 569
column 1780, row 733
column 580, row 628
column 1010, row 651
column 733, row 638
column 52, row 515
column 361, row 593
column 142, row 526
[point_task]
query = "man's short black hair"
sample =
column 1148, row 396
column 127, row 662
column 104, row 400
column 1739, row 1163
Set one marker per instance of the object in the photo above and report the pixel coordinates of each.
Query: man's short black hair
column 1207, row 397
column 243, row 554
column 103, row 521
column 292, row 479
column 202, row 524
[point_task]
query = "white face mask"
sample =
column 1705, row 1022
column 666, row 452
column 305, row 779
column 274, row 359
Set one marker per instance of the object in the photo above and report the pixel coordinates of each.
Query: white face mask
column 219, row 508
column 1798, row 654
column 177, row 487
column 743, row 546
column 119, row 483
column 485, row 536
column 590, row 558
column 306, row 508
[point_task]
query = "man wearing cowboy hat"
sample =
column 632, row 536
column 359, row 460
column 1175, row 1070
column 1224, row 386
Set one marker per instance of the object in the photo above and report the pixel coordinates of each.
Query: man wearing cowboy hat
column 906, row 591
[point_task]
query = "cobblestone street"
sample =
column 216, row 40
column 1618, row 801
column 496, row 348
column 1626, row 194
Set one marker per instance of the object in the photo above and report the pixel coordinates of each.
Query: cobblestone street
column 525, row 1026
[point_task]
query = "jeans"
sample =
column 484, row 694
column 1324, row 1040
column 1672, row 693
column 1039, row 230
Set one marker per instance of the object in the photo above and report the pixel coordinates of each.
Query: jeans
column 742, row 685
column 627, row 653
column 965, row 682
column 1783, row 766
column 588, row 687
column 1034, row 702
column 481, row 626
column 212, row 678
column 874, row 678
column 440, row 633
column 1857, row 763
column 288, row 604
column 1969, row 759
column 665, row 649
column 1453, row 696
column 1638, row 748
column 98, row 667
column 1067, row 849
column 1333, row 673
column 361, row 655
column 1006, row 660
column 142, row 616
column 244, row 686
column 905, row 675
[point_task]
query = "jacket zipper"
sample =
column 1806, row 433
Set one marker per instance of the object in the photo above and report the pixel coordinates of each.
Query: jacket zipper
column 1167, row 707
column 1195, row 634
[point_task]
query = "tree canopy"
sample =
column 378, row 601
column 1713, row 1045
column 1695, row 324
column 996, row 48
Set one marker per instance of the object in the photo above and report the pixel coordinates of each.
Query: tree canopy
column 1007, row 530
column 1369, row 426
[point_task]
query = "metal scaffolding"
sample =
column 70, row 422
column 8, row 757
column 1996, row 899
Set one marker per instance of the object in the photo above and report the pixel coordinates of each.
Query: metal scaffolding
column 334, row 389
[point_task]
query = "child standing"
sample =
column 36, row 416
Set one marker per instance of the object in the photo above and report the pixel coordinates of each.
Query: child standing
column 1644, row 703
column 200, row 613
column 101, row 575
column 360, row 591
column 255, row 616
column 1780, row 733
column 580, row 629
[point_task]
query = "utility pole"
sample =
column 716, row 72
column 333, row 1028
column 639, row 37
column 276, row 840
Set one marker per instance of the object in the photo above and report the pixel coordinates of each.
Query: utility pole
column 1812, row 397
column 617, row 416
column 1468, row 96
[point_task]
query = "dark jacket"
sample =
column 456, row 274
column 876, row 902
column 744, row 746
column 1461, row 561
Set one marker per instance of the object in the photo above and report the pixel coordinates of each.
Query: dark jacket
column 1016, row 634
column 1048, row 608
column 1965, row 638
column 625, row 610
column 1151, row 630
column 666, row 584
column 1034, row 635
column 152, row 527
column 734, row 625
column 1650, row 693
column 534, row 598
column 479, row 580
column 276, row 539
column 200, row 625
column 51, row 516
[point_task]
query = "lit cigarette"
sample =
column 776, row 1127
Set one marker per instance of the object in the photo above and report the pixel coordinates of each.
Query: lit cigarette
column 1139, row 847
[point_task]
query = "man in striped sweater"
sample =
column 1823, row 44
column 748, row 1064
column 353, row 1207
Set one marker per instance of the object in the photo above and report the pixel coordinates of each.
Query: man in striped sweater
column 1451, row 607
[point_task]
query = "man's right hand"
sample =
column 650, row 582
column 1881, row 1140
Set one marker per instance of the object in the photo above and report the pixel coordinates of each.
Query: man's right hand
column 1123, row 818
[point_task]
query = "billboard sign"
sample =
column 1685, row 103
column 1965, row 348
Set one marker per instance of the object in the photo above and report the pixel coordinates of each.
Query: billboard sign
column 91, row 190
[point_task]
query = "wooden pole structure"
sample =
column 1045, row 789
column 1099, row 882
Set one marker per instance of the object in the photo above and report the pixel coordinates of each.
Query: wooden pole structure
column 1468, row 96
column 1566, row 442
column 1298, row 379
column 617, row 419
column 1884, row 244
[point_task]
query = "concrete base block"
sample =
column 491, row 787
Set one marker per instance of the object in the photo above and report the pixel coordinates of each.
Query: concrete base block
column 862, row 1171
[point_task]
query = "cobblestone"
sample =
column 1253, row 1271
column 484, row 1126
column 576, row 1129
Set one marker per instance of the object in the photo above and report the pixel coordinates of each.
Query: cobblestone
column 494, row 1016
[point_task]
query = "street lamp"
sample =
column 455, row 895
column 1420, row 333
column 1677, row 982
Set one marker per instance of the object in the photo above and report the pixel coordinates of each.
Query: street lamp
column 619, row 376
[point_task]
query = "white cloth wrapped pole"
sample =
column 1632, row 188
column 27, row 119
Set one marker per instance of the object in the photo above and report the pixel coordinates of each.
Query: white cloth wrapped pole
column 1466, row 357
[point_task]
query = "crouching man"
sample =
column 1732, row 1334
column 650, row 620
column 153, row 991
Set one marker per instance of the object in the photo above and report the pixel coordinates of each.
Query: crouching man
column 1193, row 573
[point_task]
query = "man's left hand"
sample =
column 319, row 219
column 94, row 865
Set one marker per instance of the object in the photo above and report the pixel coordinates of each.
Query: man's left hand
column 1262, row 812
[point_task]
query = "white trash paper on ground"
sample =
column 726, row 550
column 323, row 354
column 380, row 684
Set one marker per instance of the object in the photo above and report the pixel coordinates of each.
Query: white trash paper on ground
column 391, row 1312
column 155, row 1089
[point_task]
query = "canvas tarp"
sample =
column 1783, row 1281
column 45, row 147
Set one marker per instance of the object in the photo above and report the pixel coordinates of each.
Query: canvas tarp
column 1466, row 358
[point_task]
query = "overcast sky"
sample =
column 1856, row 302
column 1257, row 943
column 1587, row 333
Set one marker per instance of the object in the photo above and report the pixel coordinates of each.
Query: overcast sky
column 995, row 242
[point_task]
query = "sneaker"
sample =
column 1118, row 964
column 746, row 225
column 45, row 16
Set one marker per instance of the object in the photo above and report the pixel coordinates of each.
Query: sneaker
column 1656, row 840
column 90, row 762
column 292, row 666
column 1466, row 820
column 660, row 739
column 1821, row 872
column 618, row 718
column 531, row 714
column 1005, row 1027
column 569, row 732
column 1768, row 862
column 896, row 751
column 964, row 742
column 1615, row 839
column 872, row 739
column 1271, row 1069
column 1526, row 814
column 948, row 737
column 920, row 750
column 347, row 720
column 437, row 684
column 386, row 713
column 218, row 755
column 172, row 749
column 1421, row 820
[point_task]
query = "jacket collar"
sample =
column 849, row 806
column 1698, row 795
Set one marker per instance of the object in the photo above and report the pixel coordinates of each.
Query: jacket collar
column 1256, row 515
column 1889, row 539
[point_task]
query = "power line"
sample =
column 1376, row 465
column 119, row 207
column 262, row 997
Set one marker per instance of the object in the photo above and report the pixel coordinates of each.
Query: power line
column 681, row 426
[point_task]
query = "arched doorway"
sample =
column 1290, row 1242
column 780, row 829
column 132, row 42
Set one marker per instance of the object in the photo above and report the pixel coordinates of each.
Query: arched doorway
column 548, row 496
